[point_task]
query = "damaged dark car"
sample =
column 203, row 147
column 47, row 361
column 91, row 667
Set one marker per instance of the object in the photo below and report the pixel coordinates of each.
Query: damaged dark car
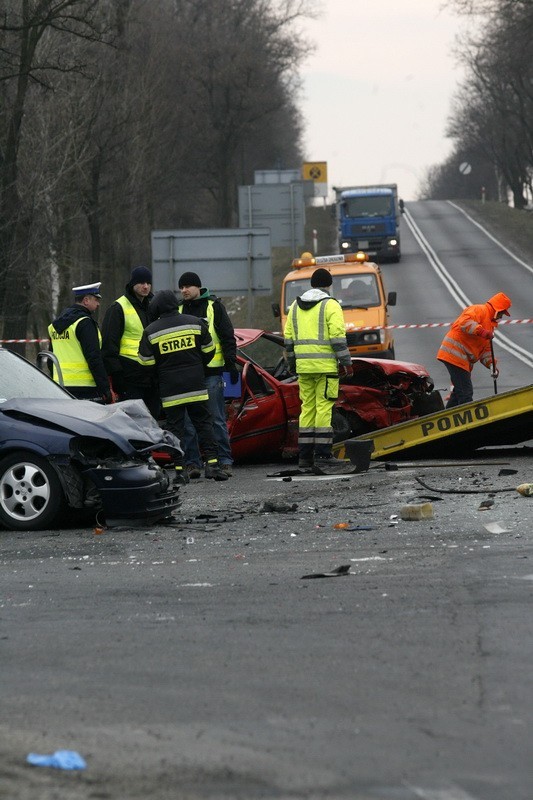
column 59, row 455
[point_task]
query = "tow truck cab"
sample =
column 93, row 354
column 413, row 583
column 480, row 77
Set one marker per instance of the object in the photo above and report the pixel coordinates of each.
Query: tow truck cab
column 358, row 286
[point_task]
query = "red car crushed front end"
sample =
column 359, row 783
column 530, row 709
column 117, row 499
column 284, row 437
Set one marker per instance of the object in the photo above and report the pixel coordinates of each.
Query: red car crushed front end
column 263, row 421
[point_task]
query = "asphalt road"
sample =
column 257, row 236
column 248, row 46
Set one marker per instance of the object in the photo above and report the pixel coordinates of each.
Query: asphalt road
column 447, row 263
column 194, row 661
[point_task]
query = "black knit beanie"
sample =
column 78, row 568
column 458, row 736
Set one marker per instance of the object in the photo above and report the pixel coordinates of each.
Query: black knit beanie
column 140, row 275
column 321, row 279
column 189, row 279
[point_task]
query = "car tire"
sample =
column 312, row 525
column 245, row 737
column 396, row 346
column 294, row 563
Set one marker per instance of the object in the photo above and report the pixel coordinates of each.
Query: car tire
column 428, row 404
column 31, row 496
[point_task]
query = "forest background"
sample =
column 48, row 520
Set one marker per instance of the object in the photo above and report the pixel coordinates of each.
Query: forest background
column 119, row 117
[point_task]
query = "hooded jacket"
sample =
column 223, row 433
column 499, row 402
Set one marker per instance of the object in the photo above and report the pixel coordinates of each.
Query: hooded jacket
column 88, row 337
column 315, row 336
column 464, row 345
column 177, row 346
column 123, row 371
column 221, row 330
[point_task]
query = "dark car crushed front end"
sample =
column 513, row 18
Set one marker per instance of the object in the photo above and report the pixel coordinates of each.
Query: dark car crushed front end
column 59, row 454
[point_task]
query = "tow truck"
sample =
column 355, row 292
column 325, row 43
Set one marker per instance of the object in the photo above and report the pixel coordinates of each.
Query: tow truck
column 503, row 419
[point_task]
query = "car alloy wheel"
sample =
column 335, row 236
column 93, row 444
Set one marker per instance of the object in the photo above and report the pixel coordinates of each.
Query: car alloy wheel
column 30, row 492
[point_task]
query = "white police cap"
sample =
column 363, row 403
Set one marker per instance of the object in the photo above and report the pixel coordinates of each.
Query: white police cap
column 90, row 288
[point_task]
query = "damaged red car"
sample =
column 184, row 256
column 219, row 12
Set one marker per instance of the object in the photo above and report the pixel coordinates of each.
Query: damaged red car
column 263, row 417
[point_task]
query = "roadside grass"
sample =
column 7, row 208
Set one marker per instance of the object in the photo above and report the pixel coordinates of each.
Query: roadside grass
column 512, row 227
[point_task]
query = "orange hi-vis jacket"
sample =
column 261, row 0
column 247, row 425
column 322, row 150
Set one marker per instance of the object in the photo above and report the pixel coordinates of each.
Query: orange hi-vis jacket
column 464, row 344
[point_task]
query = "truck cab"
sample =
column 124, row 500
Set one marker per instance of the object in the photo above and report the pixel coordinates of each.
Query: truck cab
column 359, row 288
column 368, row 218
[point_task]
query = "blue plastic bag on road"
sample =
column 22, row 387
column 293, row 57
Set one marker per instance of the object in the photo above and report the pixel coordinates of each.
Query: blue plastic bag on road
column 61, row 759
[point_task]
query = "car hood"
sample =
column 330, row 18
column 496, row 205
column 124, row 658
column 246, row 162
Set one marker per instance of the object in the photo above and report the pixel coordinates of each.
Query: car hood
column 121, row 423
column 389, row 366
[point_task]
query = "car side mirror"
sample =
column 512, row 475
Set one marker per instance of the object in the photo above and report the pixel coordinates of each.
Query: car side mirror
column 391, row 299
column 276, row 310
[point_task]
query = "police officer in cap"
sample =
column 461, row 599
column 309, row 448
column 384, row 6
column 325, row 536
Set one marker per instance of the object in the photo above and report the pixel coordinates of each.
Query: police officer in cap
column 76, row 341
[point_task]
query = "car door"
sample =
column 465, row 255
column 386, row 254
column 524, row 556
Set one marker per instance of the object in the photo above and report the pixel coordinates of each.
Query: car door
column 257, row 422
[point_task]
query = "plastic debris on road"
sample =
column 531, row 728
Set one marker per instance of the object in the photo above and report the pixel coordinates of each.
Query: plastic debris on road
column 415, row 511
column 496, row 527
column 344, row 569
column 61, row 759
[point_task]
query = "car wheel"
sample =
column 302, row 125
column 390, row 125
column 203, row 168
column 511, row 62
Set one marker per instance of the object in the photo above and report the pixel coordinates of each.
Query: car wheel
column 341, row 426
column 31, row 496
column 428, row 404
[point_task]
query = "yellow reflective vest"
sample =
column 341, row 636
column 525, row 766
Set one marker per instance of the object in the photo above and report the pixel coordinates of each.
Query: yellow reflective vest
column 67, row 348
column 133, row 330
column 316, row 337
column 218, row 358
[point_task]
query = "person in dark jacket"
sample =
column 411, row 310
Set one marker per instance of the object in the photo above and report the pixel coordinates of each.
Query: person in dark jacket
column 199, row 302
column 76, row 341
column 178, row 347
column 122, row 328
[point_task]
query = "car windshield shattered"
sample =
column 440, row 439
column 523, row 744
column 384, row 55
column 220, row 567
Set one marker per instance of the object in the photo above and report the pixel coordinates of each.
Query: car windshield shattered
column 19, row 379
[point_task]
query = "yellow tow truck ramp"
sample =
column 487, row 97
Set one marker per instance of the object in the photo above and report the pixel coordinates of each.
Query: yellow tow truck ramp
column 502, row 419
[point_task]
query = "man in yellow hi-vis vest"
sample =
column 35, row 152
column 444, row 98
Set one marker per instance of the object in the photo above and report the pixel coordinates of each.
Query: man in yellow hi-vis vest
column 122, row 329
column 315, row 340
column 76, row 341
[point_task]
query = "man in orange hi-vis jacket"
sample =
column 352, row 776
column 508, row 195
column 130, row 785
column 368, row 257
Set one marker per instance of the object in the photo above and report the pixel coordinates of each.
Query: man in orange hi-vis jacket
column 468, row 341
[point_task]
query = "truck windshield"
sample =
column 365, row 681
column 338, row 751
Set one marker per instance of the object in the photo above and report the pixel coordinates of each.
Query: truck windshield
column 352, row 291
column 368, row 206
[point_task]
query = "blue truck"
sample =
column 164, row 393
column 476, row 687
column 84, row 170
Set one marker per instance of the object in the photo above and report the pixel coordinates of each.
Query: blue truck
column 368, row 219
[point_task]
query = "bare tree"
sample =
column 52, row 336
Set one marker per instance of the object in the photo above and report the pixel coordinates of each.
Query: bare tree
column 34, row 42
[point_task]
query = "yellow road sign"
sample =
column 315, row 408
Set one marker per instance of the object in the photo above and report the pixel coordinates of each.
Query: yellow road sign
column 316, row 171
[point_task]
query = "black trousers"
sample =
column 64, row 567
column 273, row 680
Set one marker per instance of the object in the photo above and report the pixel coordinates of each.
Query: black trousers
column 149, row 394
column 463, row 391
column 203, row 423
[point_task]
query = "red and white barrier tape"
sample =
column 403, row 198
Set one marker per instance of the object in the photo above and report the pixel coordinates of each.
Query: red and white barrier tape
column 349, row 327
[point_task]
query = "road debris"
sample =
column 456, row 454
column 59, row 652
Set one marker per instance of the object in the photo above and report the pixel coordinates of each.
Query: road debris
column 526, row 489
column 496, row 527
column 415, row 511
column 278, row 507
column 61, row 759
column 485, row 505
column 344, row 569
column 466, row 491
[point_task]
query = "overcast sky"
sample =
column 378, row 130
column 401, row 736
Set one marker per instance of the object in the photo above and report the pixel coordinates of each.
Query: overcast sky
column 377, row 90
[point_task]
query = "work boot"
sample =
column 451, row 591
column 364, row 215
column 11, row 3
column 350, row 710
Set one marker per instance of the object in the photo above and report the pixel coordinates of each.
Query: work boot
column 181, row 477
column 305, row 456
column 227, row 469
column 193, row 471
column 329, row 465
column 213, row 470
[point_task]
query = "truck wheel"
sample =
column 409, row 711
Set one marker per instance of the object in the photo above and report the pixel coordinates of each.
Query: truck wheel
column 389, row 354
